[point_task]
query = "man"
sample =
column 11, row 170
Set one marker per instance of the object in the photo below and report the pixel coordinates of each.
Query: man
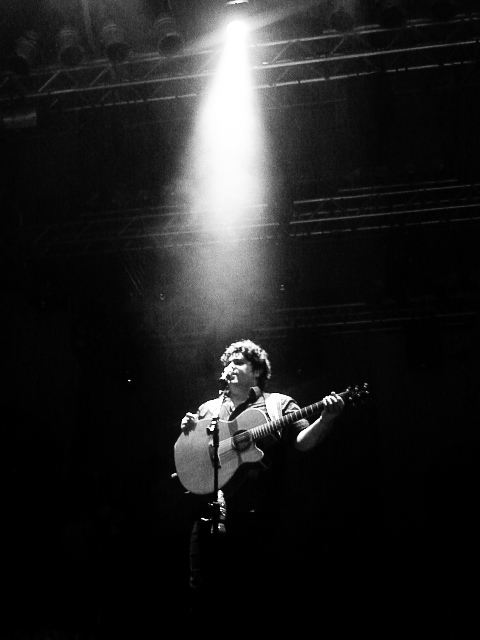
column 246, row 559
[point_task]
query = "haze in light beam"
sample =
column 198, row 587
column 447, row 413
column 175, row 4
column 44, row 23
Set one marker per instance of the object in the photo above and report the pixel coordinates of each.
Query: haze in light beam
column 228, row 144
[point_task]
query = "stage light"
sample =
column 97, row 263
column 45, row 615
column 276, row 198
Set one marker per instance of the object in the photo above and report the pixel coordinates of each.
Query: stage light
column 169, row 39
column 115, row 42
column 237, row 29
column 237, row 11
column 70, row 50
column 26, row 53
column 108, row 22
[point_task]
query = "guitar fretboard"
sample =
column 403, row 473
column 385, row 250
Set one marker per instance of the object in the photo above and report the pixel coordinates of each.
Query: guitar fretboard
column 277, row 425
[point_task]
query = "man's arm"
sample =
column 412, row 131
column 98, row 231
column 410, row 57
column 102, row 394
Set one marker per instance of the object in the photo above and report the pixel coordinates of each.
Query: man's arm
column 313, row 435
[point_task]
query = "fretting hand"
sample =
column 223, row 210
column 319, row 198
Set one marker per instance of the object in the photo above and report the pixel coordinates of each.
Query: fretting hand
column 333, row 406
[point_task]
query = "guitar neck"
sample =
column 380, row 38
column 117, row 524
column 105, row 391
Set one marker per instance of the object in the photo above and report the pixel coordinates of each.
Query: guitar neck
column 277, row 425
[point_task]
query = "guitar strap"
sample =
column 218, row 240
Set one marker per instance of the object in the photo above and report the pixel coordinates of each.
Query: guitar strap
column 273, row 403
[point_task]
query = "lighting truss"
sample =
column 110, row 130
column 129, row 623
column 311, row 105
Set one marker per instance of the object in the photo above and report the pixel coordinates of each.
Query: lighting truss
column 275, row 324
column 277, row 66
column 350, row 210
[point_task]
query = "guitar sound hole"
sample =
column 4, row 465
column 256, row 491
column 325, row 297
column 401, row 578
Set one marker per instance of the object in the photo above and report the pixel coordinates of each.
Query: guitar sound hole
column 241, row 440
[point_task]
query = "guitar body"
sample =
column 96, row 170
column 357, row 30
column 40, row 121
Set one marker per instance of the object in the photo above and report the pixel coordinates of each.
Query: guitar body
column 194, row 461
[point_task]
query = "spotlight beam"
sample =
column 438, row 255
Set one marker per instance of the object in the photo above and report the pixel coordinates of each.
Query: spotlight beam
column 227, row 151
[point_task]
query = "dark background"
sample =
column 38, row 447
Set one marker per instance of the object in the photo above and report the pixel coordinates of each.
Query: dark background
column 104, row 351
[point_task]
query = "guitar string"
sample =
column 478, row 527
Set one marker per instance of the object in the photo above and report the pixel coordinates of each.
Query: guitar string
column 227, row 445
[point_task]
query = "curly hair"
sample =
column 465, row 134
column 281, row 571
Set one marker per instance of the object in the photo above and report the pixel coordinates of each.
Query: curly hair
column 254, row 354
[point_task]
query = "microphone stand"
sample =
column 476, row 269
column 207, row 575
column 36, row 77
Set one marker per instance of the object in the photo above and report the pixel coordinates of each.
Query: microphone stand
column 217, row 507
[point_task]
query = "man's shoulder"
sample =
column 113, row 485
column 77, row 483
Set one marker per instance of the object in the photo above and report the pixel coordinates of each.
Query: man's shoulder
column 283, row 398
column 278, row 404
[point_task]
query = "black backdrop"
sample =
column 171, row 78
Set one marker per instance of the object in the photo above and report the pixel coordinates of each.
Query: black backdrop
column 95, row 530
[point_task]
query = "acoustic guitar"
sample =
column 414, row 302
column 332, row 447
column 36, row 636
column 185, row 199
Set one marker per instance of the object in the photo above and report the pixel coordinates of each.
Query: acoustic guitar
column 194, row 450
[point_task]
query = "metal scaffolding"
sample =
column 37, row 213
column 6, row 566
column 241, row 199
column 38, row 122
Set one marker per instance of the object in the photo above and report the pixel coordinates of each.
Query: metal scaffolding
column 448, row 312
column 349, row 210
column 282, row 70
column 289, row 73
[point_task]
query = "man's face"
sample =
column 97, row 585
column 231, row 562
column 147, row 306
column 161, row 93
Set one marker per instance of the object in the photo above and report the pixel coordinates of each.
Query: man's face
column 243, row 375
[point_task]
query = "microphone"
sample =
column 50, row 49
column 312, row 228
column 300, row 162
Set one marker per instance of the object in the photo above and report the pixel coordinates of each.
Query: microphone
column 226, row 376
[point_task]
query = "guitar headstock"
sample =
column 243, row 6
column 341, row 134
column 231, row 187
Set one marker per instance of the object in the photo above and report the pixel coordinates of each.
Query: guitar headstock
column 356, row 395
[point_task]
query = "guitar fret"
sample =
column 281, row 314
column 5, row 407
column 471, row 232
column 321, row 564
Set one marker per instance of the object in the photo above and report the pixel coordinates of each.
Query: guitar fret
column 264, row 429
column 268, row 427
